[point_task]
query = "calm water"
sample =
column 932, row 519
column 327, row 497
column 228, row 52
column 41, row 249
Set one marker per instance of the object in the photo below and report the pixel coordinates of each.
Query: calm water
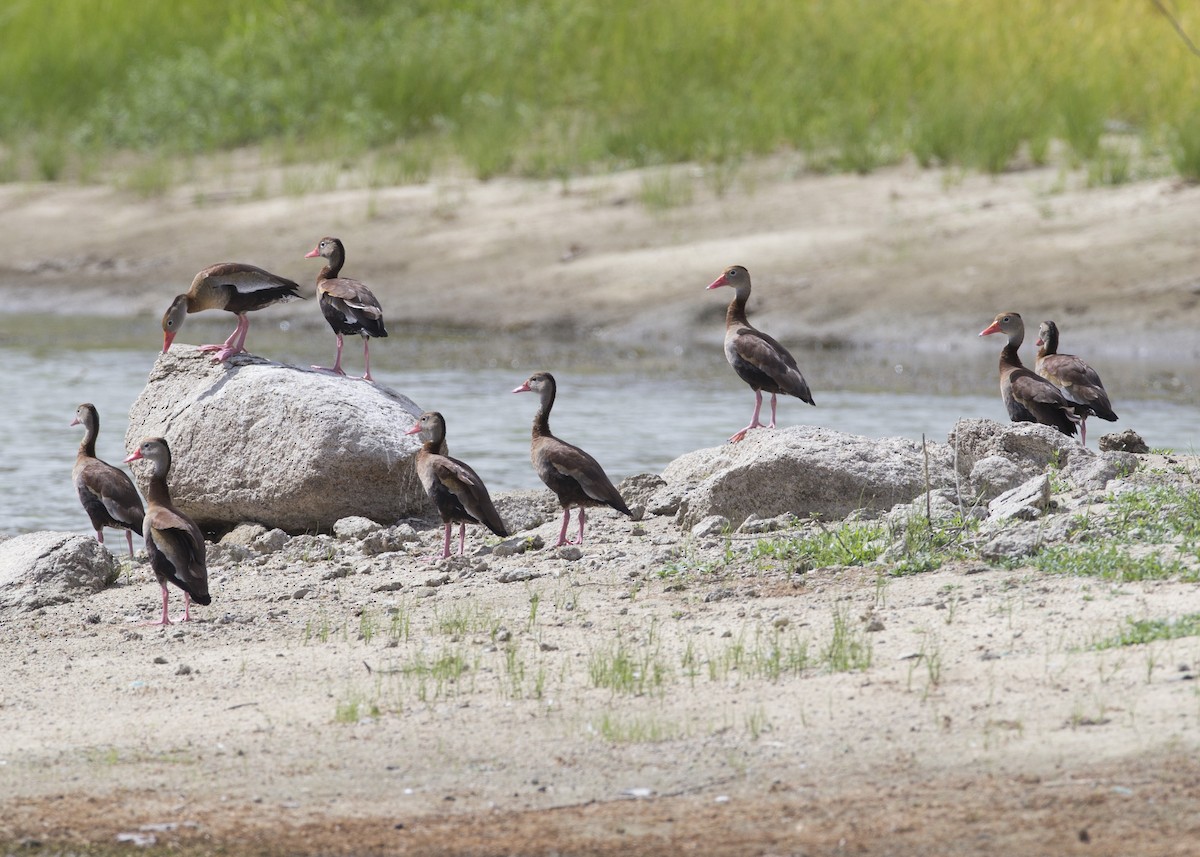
column 634, row 414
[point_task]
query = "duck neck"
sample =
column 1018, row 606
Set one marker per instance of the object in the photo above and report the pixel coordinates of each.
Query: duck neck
column 87, row 446
column 158, row 493
column 541, row 420
column 736, row 314
column 1010, row 356
column 333, row 265
column 1049, row 342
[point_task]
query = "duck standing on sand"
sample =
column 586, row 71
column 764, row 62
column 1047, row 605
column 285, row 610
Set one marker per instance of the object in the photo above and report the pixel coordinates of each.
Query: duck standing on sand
column 106, row 492
column 348, row 305
column 173, row 541
column 1027, row 396
column 234, row 287
column 758, row 359
column 573, row 475
column 1075, row 379
column 455, row 489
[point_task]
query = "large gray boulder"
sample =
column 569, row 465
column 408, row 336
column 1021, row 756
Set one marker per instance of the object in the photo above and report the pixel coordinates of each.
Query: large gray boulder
column 40, row 569
column 256, row 441
column 805, row 470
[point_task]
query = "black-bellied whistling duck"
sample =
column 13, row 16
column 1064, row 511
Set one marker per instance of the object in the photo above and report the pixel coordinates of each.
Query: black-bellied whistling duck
column 173, row 541
column 1075, row 379
column 1029, row 397
column 234, row 287
column 758, row 359
column 106, row 492
column 455, row 489
column 567, row 470
column 348, row 305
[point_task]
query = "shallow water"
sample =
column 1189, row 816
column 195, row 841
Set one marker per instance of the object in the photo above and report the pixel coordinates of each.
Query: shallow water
column 633, row 412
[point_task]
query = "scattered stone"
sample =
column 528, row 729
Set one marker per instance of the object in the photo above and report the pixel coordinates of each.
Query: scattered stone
column 183, row 669
column 503, row 635
column 41, row 569
column 992, row 476
column 243, row 535
column 518, row 544
column 394, row 586
column 517, row 575
column 639, row 488
column 1095, row 472
column 1025, row 502
column 439, row 580
column 352, row 458
column 1030, row 447
column 355, row 527
column 755, row 524
column 301, row 593
column 571, row 553
column 526, row 510
column 272, row 541
column 1124, row 441
column 387, row 539
column 713, row 525
column 160, row 660
column 719, row 595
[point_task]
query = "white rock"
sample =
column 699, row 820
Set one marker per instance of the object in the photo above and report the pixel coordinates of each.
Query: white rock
column 1026, row 502
column 804, row 470
column 39, row 569
column 256, row 441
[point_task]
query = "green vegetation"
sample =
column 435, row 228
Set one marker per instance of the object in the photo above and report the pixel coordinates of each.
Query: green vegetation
column 927, row 544
column 1110, row 563
column 1138, row 631
column 845, row 544
column 554, row 87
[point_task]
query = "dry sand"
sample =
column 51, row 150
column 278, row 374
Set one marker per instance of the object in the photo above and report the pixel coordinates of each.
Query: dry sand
column 303, row 713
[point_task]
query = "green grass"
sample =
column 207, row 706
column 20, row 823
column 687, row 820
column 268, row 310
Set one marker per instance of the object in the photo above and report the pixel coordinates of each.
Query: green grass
column 1108, row 562
column 1139, row 631
column 629, row 668
column 554, row 87
column 846, row 544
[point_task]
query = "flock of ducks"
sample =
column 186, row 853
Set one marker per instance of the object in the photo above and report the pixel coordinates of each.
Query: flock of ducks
column 1062, row 393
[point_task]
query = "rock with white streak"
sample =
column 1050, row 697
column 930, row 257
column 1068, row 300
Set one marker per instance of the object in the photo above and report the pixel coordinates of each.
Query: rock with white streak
column 254, row 441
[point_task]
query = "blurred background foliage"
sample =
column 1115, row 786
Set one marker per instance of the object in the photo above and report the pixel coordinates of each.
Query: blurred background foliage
column 558, row 87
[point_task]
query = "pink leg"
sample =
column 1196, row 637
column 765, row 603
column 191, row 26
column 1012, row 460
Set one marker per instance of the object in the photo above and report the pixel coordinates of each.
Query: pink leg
column 367, row 358
column 100, row 536
column 129, row 541
column 462, row 538
column 187, row 608
column 337, row 364
column 235, row 344
column 1083, row 431
column 772, row 425
column 562, row 533
column 582, row 518
column 754, row 423
column 166, row 619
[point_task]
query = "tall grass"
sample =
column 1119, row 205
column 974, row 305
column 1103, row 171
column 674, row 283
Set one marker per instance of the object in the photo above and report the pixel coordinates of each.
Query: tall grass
column 551, row 87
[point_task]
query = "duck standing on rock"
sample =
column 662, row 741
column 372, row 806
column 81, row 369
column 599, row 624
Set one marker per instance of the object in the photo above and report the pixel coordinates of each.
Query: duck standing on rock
column 234, row 287
column 348, row 305
column 758, row 359
column 455, row 489
column 1074, row 378
column 1027, row 396
column 173, row 541
column 106, row 492
column 573, row 475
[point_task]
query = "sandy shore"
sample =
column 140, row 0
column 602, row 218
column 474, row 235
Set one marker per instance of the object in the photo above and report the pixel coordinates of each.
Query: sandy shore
column 659, row 692
column 901, row 255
